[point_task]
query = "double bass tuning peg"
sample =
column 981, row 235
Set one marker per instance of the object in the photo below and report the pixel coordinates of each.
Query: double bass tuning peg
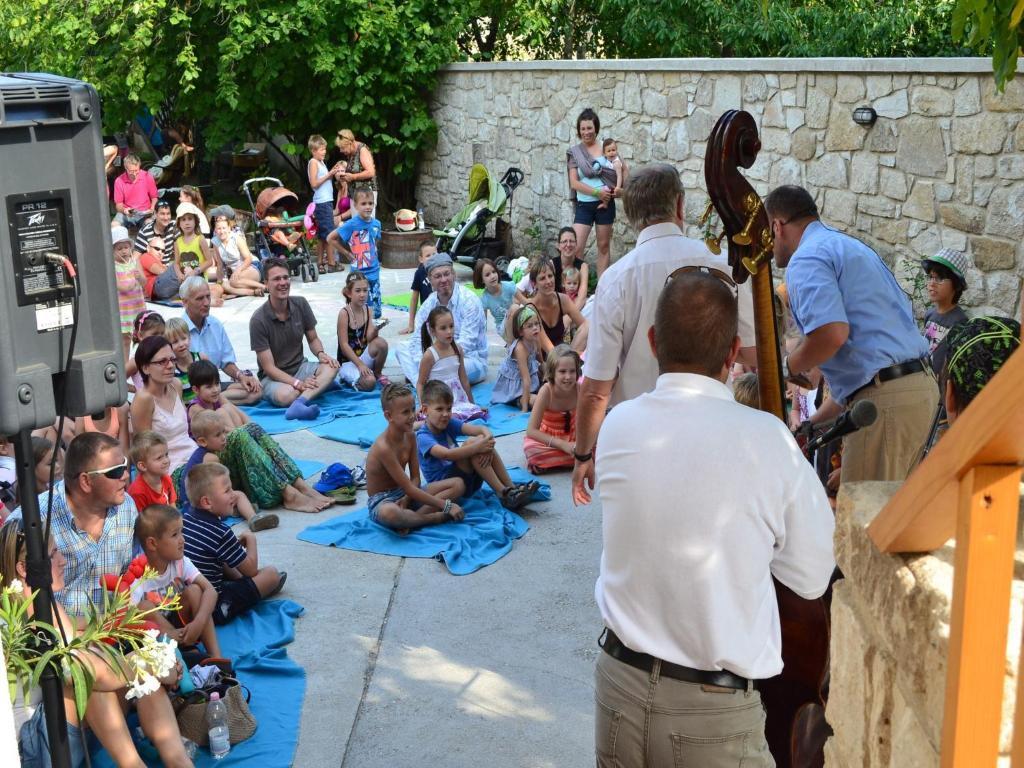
column 752, row 204
column 713, row 243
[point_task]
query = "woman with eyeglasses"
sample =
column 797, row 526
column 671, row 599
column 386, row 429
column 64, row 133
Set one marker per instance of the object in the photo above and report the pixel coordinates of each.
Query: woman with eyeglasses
column 568, row 258
column 158, row 405
column 104, row 715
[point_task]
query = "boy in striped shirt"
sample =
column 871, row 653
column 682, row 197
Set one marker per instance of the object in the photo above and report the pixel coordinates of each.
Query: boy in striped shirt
column 230, row 564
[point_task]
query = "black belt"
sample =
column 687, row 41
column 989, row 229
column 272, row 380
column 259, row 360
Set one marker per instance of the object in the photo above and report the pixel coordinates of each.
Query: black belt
column 890, row 373
column 723, row 679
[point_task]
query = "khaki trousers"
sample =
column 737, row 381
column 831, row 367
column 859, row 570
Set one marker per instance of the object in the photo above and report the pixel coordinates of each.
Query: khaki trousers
column 644, row 720
column 888, row 448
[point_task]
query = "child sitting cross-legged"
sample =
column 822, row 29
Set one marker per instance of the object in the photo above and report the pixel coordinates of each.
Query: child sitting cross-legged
column 159, row 531
column 397, row 500
column 209, row 430
column 259, row 466
column 150, row 456
column 474, row 462
column 230, row 564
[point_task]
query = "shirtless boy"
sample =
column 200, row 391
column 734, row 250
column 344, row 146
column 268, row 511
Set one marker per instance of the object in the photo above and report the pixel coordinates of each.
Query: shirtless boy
column 393, row 472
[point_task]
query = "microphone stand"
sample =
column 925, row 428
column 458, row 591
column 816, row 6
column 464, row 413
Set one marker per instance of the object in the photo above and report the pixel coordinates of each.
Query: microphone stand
column 40, row 578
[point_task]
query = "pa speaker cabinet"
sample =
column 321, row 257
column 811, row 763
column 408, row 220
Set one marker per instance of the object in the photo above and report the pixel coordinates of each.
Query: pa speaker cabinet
column 53, row 201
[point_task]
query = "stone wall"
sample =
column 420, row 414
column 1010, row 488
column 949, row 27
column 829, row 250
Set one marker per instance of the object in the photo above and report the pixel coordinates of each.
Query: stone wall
column 943, row 166
column 890, row 640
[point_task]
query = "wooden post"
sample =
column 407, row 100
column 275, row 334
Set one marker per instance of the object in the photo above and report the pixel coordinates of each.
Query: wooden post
column 986, row 537
column 1017, row 750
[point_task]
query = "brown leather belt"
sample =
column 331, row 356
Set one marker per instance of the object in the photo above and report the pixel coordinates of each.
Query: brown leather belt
column 611, row 645
column 890, row 373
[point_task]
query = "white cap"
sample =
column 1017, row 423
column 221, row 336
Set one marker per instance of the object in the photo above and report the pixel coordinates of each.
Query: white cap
column 119, row 234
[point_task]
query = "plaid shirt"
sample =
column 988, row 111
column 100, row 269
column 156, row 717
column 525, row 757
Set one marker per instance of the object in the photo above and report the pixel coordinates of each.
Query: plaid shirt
column 88, row 560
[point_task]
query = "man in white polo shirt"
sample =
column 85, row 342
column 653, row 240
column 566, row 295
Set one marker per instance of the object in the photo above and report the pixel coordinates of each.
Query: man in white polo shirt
column 703, row 501
column 619, row 364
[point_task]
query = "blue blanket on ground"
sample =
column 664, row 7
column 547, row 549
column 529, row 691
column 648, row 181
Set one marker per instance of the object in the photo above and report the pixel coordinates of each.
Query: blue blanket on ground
column 334, row 404
column 363, row 430
column 255, row 643
column 483, row 537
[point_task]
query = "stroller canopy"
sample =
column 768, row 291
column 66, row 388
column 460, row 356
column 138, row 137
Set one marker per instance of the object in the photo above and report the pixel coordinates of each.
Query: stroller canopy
column 483, row 186
column 272, row 196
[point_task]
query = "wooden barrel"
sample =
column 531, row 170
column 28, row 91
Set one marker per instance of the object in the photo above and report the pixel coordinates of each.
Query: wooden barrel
column 401, row 250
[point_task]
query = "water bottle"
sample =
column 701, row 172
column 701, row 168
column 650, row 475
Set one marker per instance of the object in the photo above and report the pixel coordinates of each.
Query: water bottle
column 419, row 219
column 217, row 722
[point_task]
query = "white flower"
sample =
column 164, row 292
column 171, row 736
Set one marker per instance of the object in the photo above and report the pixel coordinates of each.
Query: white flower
column 16, row 586
column 142, row 686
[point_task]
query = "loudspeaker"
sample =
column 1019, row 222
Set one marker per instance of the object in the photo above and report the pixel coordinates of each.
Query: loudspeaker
column 54, row 205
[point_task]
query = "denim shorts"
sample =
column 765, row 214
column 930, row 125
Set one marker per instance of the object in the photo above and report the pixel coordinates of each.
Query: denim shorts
column 323, row 215
column 589, row 214
column 34, row 746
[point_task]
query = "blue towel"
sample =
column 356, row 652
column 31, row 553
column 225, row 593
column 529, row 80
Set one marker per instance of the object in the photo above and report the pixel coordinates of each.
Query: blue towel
column 483, row 537
column 307, row 467
column 255, row 643
column 334, row 404
column 363, row 430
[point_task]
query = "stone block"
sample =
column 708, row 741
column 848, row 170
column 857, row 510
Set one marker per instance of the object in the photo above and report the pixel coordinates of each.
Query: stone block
column 984, row 167
column 864, row 174
column 1010, row 100
column 699, row 124
column 840, row 206
column 804, row 143
column 849, row 88
column 926, row 242
column 677, row 144
column 775, row 140
column 794, row 118
column 877, row 206
column 631, row 96
column 954, row 239
column 943, row 192
column 989, row 253
column 893, row 106
column 892, row 231
column 921, row 202
column 983, row 191
column 774, row 115
column 878, row 86
column 705, row 91
column 920, row 150
column 755, row 88
column 843, row 134
column 787, row 170
column 818, row 103
column 1010, row 167
column 968, row 97
column 964, row 179
column 728, row 94
column 787, row 80
column 677, row 103
column 655, row 103
column 931, row 100
column 966, row 218
column 659, row 130
column 984, row 133
column 883, row 137
column 1002, row 290
column 788, row 98
column 829, row 170
column 893, row 184
column 1006, row 212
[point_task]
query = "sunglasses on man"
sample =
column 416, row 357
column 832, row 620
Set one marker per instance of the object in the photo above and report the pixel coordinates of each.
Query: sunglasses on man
column 115, row 472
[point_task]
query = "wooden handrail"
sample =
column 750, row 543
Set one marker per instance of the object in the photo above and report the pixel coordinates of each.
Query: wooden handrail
column 968, row 487
column 921, row 516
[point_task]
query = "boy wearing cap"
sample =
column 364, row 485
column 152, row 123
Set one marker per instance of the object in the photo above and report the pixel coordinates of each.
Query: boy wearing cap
column 946, row 283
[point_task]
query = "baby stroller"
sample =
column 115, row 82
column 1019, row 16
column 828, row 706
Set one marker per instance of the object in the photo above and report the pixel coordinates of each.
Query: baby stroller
column 300, row 259
column 464, row 237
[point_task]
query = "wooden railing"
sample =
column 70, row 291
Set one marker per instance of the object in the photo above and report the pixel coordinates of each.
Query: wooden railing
column 968, row 488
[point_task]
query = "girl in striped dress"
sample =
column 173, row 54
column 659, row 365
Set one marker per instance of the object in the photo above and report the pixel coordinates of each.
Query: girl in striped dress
column 130, row 281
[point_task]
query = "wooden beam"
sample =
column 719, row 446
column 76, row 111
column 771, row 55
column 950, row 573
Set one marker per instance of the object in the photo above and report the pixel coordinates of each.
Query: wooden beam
column 986, row 539
column 1017, row 750
column 921, row 516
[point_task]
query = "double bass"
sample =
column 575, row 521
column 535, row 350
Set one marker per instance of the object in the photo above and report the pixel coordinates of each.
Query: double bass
column 794, row 700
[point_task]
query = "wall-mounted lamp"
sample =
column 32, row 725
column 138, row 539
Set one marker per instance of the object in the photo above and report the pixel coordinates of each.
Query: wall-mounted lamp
column 864, row 116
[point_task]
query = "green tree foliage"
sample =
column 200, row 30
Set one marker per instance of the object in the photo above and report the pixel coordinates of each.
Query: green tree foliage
column 238, row 67
column 992, row 27
column 797, row 28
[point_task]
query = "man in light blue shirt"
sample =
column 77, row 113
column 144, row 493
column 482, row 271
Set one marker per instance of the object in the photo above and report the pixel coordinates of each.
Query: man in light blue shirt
column 208, row 337
column 859, row 330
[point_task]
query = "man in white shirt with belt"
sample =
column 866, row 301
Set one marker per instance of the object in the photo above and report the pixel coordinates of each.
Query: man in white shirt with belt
column 619, row 364
column 703, row 500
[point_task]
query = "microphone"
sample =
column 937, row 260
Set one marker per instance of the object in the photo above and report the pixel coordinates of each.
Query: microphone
column 863, row 414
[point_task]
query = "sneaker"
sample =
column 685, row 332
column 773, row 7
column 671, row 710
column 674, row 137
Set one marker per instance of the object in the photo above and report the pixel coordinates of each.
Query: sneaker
column 359, row 476
column 261, row 521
